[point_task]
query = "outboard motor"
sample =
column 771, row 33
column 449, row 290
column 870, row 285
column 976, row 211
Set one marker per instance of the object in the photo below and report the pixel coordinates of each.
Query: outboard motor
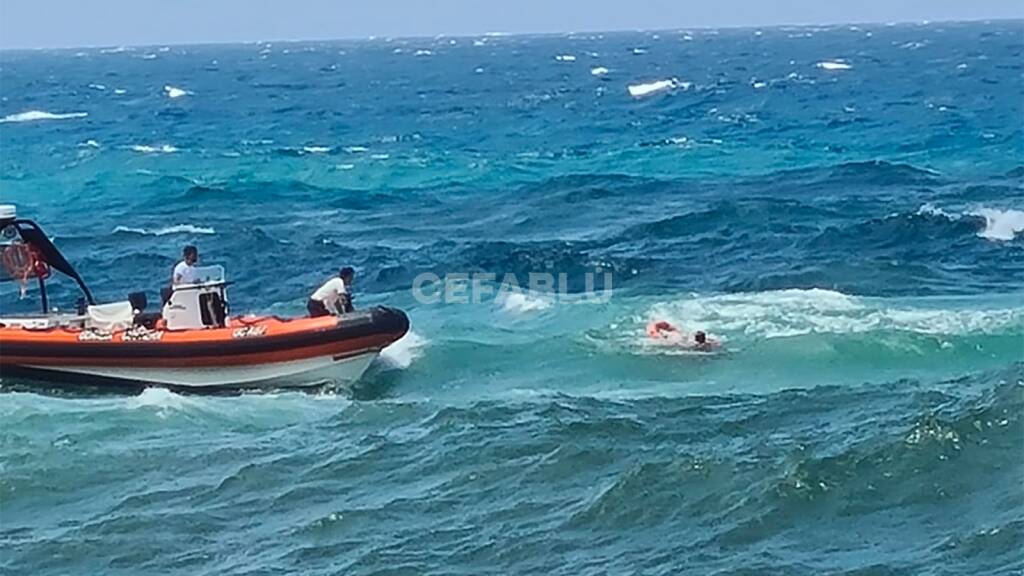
column 139, row 301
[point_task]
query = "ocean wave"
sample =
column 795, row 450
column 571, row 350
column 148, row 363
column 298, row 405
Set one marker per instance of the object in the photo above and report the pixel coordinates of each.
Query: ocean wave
column 175, row 92
column 565, row 58
column 523, row 302
column 999, row 225
column 162, row 149
column 404, row 351
column 598, row 71
column 176, row 229
column 833, row 65
column 162, row 401
column 658, row 86
column 36, row 115
column 795, row 312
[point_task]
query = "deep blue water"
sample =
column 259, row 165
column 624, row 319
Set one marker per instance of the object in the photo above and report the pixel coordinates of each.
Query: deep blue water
column 842, row 206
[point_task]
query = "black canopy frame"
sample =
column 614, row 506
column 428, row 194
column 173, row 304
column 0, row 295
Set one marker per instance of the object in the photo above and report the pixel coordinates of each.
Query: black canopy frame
column 33, row 235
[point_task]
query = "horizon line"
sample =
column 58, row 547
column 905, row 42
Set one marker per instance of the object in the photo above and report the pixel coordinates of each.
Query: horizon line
column 499, row 34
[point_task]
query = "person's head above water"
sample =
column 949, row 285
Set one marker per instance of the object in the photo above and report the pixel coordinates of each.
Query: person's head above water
column 700, row 337
column 190, row 254
column 347, row 274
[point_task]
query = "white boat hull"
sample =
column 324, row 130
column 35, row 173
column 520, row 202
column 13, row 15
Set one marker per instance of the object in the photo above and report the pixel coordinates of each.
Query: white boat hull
column 307, row 372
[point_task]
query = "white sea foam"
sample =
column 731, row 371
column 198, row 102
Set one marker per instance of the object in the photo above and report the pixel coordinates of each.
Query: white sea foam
column 565, row 58
column 403, row 352
column 89, row 144
column 651, row 88
column 176, row 229
column 522, row 302
column 424, row 53
column 34, row 115
column 758, row 84
column 175, row 92
column 162, row 149
column 356, row 149
column 119, row 91
column 97, row 86
column 639, row 51
column 787, row 313
column 1001, row 225
column 162, row 401
column 316, row 149
column 833, row 65
column 598, row 71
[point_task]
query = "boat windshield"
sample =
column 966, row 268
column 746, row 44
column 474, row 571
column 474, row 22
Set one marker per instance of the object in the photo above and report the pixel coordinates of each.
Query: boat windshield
column 209, row 274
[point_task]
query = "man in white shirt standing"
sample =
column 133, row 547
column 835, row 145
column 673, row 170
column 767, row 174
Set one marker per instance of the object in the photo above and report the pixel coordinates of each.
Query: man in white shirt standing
column 333, row 296
column 185, row 271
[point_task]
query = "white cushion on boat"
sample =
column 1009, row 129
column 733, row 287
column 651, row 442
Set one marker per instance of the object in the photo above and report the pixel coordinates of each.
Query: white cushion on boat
column 113, row 316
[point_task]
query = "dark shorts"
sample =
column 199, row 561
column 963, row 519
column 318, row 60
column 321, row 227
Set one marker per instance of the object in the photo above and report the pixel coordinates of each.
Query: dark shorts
column 316, row 308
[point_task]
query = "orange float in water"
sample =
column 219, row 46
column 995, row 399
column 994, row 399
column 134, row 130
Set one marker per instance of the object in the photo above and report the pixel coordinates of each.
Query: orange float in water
column 660, row 329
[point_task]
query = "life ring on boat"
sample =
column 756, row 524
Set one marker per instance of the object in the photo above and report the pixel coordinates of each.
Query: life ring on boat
column 659, row 329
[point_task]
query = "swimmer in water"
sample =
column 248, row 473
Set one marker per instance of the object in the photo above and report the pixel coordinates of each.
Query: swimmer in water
column 663, row 331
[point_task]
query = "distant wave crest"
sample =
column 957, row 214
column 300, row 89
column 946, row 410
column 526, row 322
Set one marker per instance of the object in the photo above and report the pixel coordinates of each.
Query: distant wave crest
column 176, row 229
column 35, row 115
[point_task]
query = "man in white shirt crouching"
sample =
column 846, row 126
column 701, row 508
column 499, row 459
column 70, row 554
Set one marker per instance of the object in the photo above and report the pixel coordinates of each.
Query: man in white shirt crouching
column 333, row 296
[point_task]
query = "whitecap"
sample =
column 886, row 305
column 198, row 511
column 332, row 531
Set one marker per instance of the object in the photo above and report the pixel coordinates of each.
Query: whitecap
column 650, row 88
column 89, row 144
column 149, row 56
column 380, row 156
column 404, row 351
column 521, row 303
column 163, row 149
column 344, row 166
column 34, row 115
column 565, row 58
column 1000, row 225
column 833, row 65
column 162, row 400
column 120, row 91
column 759, row 84
column 598, row 71
column 356, row 149
column 639, row 51
column 175, row 92
column 795, row 312
column 316, row 149
column 97, row 86
column 176, row 229
column 424, row 53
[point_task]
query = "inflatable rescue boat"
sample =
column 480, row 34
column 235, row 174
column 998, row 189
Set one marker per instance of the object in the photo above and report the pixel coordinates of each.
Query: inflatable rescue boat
column 192, row 343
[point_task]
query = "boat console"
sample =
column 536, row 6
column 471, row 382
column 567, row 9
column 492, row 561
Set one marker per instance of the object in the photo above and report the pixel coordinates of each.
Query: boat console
column 203, row 304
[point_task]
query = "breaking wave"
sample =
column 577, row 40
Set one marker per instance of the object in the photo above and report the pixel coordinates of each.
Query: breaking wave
column 177, row 229
column 36, row 115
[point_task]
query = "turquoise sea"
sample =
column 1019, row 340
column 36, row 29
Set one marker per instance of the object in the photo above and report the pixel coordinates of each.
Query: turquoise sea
column 842, row 206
